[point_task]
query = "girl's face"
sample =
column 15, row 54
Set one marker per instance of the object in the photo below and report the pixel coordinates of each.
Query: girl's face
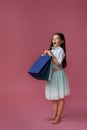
column 56, row 40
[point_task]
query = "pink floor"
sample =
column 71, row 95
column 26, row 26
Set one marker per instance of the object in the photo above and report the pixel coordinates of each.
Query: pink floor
column 19, row 112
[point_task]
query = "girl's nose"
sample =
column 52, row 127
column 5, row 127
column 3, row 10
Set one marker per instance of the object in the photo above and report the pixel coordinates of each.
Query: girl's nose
column 54, row 40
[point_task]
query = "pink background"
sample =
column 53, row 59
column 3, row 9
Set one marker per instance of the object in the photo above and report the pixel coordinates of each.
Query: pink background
column 26, row 27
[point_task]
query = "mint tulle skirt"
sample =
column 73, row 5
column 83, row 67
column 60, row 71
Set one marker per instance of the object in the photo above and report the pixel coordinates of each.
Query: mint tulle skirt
column 58, row 87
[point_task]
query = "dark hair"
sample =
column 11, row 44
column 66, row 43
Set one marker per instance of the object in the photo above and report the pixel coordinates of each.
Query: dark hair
column 64, row 62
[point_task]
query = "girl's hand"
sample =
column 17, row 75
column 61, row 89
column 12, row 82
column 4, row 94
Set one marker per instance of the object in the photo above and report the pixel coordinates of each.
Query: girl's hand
column 45, row 52
column 49, row 53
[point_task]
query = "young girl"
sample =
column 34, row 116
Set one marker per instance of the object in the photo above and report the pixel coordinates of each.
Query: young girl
column 58, row 87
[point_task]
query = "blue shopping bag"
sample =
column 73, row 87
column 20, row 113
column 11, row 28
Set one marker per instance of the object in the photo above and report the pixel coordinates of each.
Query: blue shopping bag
column 41, row 68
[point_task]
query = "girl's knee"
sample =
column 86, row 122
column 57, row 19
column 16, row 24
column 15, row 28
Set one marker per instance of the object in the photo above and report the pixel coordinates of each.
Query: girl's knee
column 55, row 100
column 62, row 99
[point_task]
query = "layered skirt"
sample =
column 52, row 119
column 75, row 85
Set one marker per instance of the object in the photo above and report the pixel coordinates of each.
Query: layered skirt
column 58, row 87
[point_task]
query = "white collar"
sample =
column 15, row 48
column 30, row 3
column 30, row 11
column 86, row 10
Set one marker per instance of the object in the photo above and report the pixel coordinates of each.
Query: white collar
column 53, row 48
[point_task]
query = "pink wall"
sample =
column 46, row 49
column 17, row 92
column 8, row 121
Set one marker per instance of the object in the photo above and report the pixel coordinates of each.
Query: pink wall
column 26, row 27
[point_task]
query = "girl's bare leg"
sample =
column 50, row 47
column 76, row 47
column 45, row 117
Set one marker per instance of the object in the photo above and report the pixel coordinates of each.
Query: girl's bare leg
column 55, row 110
column 61, row 104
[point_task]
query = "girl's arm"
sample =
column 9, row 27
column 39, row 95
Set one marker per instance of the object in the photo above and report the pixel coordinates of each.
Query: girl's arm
column 53, row 57
column 55, row 60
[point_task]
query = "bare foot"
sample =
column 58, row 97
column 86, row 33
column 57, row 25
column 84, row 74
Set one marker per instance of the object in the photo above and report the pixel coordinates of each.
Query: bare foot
column 50, row 118
column 56, row 121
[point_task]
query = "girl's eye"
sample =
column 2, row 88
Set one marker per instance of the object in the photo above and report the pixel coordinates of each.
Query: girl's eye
column 56, row 39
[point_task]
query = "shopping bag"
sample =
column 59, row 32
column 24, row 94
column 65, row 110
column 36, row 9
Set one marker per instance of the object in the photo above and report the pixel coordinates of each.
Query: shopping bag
column 41, row 69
